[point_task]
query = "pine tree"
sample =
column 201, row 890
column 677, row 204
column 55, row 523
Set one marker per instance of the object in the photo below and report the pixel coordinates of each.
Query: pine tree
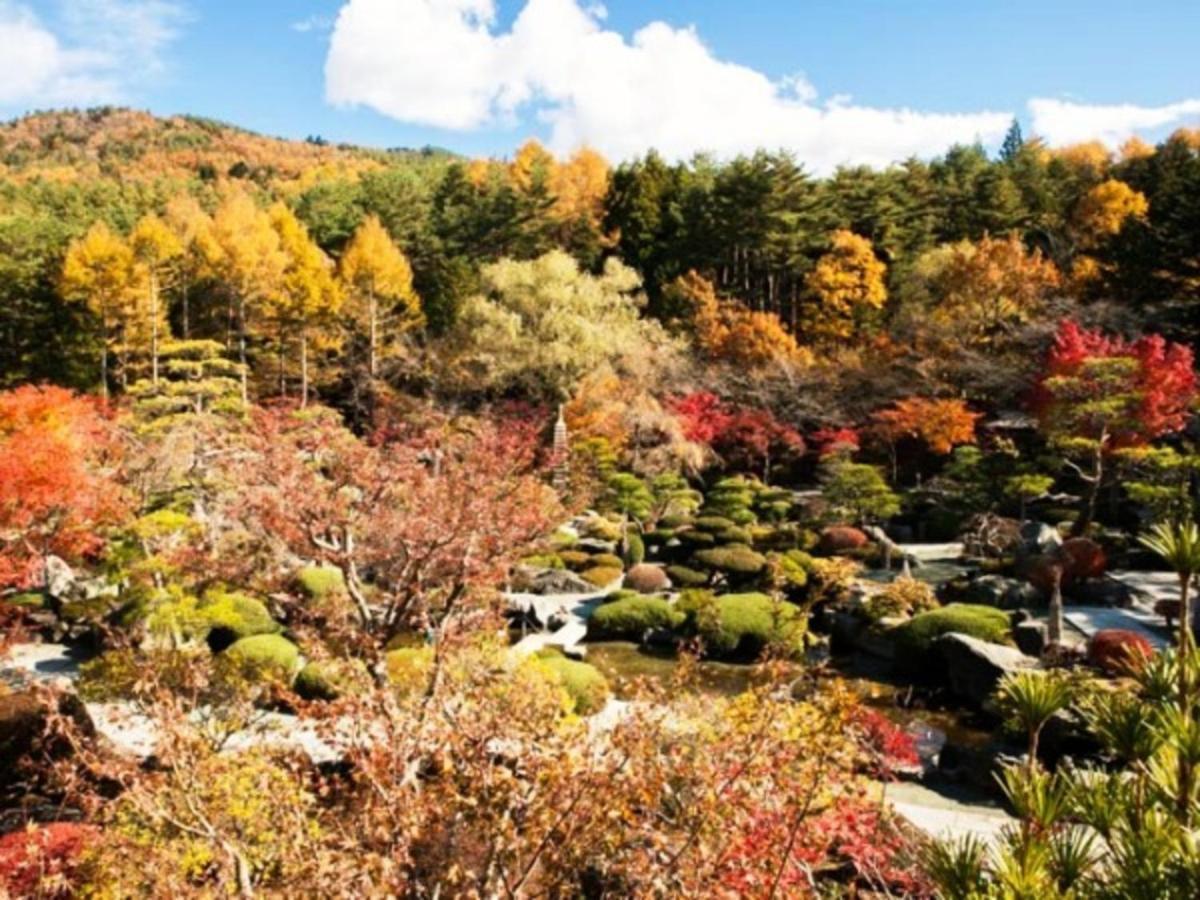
column 1013, row 142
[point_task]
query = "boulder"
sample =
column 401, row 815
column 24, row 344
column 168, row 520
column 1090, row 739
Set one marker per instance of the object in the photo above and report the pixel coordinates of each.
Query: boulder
column 1039, row 539
column 975, row 666
column 1103, row 592
column 1031, row 637
column 1000, row 592
column 647, row 579
column 559, row 581
column 60, row 578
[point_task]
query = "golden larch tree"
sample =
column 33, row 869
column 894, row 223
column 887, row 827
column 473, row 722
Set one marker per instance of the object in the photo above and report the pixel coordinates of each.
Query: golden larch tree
column 99, row 271
column 156, row 249
column 194, row 228
column 849, row 278
column 379, row 284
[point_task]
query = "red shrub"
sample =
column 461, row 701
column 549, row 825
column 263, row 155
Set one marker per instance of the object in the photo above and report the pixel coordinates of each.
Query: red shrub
column 1082, row 558
column 840, row 538
column 34, row 859
column 1117, row 651
column 888, row 746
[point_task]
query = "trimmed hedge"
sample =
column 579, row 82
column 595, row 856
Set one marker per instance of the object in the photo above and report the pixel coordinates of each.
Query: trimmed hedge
column 408, row 667
column 1118, row 651
column 632, row 617
column 608, row 560
column 266, row 655
column 735, row 559
column 585, row 686
column 601, row 576
column 543, row 561
column 232, row 615
column 916, row 636
column 319, row 582
column 635, row 549
column 841, row 538
column 576, row 560
column 330, row 679
column 647, row 578
column 743, row 625
column 683, row 577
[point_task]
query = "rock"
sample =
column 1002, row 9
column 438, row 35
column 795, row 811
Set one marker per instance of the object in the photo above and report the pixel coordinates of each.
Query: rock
column 1039, row 539
column 1000, row 592
column 60, row 578
column 977, row 766
column 23, row 718
column 1031, row 637
column 991, row 536
column 1102, row 592
column 646, row 578
column 975, row 666
column 559, row 581
column 1066, row 734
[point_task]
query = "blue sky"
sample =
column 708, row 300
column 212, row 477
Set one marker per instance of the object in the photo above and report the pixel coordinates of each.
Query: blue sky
column 834, row 82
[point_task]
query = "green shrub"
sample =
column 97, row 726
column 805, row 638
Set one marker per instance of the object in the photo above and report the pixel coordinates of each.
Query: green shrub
column 735, row 534
column 697, row 538
column 26, row 600
column 683, row 577
column 408, row 667
column 601, row 529
column 232, row 615
column 320, row 582
column 635, row 549
column 674, row 520
column 608, row 560
column 586, row 688
column 602, row 576
column 575, row 559
column 904, row 596
column 742, row 625
column 712, row 524
column 330, row 679
column 620, row 594
column 736, row 560
column 268, row 656
column 631, row 617
column 563, row 540
column 543, row 561
column 916, row 636
column 659, row 536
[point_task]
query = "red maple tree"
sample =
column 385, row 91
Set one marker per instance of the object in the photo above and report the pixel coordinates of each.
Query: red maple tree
column 58, row 458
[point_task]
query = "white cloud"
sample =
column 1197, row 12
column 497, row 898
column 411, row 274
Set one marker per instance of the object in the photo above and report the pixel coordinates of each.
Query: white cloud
column 1062, row 122
column 444, row 63
column 93, row 52
column 314, row 22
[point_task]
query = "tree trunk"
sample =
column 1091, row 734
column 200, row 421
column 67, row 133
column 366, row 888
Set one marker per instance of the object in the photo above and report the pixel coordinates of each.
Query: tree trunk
column 1054, row 627
column 104, row 360
column 242, row 350
column 372, row 362
column 303, row 368
column 153, row 328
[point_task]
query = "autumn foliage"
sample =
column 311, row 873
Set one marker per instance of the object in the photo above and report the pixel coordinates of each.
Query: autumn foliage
column 942, row 424
column 58, row 454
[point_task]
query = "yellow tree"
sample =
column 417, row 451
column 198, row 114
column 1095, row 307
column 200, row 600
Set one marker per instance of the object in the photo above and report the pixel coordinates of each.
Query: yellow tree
column 245, row 253
column 308, row 293
column 379, row 282
column 194, row 229
column 156, row 248
column 99, row 270
column 532, row 166
column 579, row 186
column 845, row 281
column 1104, row 210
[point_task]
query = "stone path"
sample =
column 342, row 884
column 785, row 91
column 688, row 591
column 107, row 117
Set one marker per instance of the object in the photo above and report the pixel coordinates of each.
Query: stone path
column 1152, row 586
column 942, row 815
column 1090, row 619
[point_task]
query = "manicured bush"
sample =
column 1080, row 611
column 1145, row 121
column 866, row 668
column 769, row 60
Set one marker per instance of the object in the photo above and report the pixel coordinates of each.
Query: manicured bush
column 1117, row 651
column 270, row 656
column 742, row 625
column 674, row 520
column 647, row 579
column 632, row 617
column 735, row 534
column 1082, row 558
column 694, row 538
column 601, row 529
column 916, row 636
column 683, row 577
column 319, row 582
column 25, row 600
column 232, row 615
column 735, row 560
column 712, row 524
column 635, row 549
column 609, row 560
column 601, row 576
column 620, row 594
column 408, row 667
column 543, row 561
column 841, row 538
column 330, row 679
column 576, row 560
column 659, row 536
column 585, row 686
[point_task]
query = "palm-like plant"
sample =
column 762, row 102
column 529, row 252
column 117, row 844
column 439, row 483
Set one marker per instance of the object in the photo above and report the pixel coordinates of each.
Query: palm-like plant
column 1029, row 699
column 1178, row 543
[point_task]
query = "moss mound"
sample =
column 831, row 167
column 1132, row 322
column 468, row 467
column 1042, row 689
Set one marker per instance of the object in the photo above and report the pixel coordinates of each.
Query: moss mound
column 408, row 667
column 319, row 582
column 584, row 684
column 684, row 577
column 268, row 656
column 631, row 617
column 232, row 615
column 330, row 679
column 743, row 625
column 602, row 576
column 916, row 636
column 735, row 560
